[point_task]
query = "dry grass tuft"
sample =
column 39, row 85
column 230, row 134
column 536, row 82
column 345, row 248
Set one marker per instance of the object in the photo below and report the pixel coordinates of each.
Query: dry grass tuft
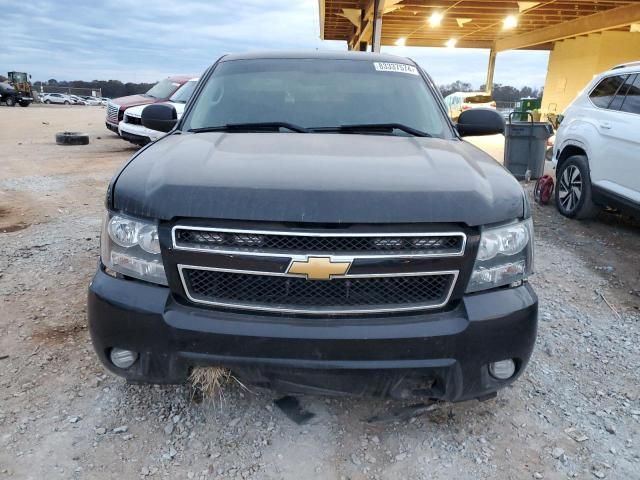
column 209, row 380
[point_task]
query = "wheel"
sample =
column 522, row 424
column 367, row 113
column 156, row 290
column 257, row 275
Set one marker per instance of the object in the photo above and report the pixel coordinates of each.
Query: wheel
column 48, row 102
column 24, row 104
column 72, row 138
column 66, row 102
column 10, row 101
column 573, row 192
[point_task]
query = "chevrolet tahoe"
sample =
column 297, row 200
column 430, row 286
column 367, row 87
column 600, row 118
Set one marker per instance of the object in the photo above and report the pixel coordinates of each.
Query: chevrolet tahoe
column 317, row 224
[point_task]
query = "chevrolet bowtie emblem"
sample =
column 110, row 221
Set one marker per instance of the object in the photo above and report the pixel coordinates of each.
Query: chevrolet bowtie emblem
column 318, row 268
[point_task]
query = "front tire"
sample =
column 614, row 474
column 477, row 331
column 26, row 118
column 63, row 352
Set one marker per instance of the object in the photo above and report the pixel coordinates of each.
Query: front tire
column 48, row 102
column 10, row 101
column 573, row 191
column 66, row 102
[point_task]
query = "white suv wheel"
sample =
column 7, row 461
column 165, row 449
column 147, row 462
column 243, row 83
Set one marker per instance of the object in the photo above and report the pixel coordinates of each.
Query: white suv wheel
column 573, row 193
column 570, row 188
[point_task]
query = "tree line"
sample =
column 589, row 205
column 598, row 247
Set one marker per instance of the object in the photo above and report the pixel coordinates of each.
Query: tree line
column 115, row 88
column 501, row 93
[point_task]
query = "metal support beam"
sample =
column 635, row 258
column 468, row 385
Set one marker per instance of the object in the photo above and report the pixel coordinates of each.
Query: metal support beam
column 377, row 32
column 490, row 71
column 378, row 12
column 608, row 19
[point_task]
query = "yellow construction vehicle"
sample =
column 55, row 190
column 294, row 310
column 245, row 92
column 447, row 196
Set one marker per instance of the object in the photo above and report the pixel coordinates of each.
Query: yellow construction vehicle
column 18, row 90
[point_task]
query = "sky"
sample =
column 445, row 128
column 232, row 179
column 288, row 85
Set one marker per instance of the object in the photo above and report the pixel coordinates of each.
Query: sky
column 144, row 41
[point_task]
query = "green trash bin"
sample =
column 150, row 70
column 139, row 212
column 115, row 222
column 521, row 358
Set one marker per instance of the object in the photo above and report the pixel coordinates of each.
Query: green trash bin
column 525, row 105
column 525, row 146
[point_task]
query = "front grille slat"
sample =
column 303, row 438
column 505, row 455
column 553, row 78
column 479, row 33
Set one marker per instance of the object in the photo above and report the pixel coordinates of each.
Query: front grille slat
column 346, row 294
column 427, row 244
column 112, row 112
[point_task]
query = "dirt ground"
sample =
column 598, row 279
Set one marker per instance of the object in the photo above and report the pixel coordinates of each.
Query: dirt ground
column 575, row 413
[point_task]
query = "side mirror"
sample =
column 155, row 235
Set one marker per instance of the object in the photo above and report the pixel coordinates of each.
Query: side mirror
column 160, row 117
column 479, row 121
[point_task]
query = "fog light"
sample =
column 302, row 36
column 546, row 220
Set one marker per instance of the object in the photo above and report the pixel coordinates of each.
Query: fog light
column 502, row 370
column 123, row 358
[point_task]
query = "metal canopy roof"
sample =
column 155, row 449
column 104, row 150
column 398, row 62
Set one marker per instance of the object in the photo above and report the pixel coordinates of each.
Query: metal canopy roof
column 474, row 23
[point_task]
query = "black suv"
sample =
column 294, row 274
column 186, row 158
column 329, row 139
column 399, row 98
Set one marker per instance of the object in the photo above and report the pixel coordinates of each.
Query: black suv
column 316, row 224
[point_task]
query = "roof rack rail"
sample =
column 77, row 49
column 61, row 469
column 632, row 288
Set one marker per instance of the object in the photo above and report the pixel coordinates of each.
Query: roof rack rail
column 628, row 64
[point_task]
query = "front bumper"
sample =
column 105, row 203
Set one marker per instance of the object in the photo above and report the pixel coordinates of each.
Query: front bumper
column 137, row 133
column 442, row 355
column 112, row 127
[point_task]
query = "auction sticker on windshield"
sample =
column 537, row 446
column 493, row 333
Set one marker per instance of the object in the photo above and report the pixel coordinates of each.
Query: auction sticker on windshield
column 395, row 67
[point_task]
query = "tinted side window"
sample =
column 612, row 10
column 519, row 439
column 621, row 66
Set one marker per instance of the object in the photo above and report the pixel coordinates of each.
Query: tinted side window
column 632, row 102
column 602, row 95
column 622, row 92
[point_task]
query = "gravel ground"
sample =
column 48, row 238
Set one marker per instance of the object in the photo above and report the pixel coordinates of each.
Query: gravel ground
column 575, row 413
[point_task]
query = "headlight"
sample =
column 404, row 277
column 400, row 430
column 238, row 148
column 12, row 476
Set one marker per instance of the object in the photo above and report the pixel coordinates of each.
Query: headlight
column 131, row 247
column 505, row 255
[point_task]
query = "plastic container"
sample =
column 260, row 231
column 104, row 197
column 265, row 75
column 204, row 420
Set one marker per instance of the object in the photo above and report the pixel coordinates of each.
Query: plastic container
column 525, row 146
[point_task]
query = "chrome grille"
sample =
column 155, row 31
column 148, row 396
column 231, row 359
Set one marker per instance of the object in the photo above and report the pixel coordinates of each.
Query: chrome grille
column 297, row 295
column 428, row 244
column 112, row 112
column 317, row 272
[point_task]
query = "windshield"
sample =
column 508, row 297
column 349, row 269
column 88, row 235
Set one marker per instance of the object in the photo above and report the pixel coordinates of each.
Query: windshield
column 183, row 94
column 18, row 77
column 163, row 89
column 316, row 93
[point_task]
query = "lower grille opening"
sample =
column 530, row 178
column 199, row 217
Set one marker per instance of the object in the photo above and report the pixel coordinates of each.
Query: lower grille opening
column 340, row 295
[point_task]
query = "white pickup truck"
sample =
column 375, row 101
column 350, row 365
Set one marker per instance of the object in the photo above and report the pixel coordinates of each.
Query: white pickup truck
column 131, row 129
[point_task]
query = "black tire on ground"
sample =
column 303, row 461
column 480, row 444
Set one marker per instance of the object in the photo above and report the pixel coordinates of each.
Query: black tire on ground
column 10, row 101
column 72, row 138
column 24, row 104
column 573, row 189
column 66, row 102
column 48, row 102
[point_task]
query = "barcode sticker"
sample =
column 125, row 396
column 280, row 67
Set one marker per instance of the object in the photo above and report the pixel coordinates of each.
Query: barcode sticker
column 395, row 67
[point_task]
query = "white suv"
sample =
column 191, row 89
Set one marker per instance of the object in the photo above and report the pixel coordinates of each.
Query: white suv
column 597, row 146
column 57, row 98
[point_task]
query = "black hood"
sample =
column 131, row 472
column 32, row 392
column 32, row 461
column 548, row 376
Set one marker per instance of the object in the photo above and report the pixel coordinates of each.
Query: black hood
column 319, row 178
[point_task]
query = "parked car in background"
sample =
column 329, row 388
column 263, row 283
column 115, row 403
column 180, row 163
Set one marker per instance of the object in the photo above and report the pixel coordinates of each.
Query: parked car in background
column 131, row 128
column 57, row 98
column 91, row 100
column 597, row 146
column 458, row 102
column 76, row 100
column 160, row 92
column 104, row 100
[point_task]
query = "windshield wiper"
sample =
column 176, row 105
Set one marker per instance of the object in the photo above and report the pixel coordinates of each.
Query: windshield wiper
column 252, row 127
column 373, row 127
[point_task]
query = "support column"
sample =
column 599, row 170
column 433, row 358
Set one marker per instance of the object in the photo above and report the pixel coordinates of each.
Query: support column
column 378, row 8
column 490, row 70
